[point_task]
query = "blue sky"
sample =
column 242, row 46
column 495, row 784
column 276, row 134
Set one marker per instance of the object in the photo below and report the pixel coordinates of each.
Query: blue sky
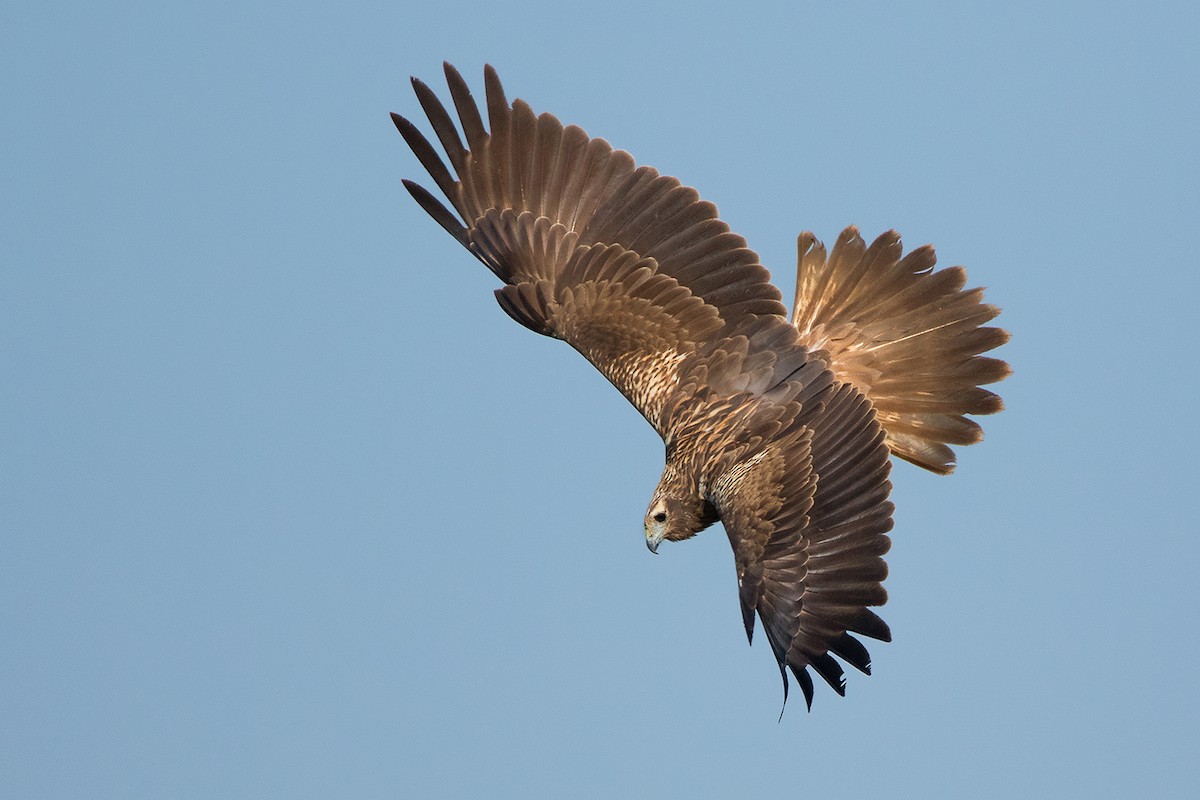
column 290, row 508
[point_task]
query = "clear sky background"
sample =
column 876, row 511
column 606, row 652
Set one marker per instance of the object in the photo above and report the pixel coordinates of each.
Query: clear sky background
column 290, row 508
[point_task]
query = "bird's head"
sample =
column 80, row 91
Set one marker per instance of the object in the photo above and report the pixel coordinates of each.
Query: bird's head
column 673, row 519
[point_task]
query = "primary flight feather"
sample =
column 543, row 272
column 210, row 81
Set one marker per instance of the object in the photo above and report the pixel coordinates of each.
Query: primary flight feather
column 781, row 429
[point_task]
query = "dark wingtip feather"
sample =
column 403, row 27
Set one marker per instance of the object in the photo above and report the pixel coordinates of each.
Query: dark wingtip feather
column 827, row 667
column 781, row 661
column 747, row 598
column 783, row 674
column 407, row 129
column 443, row 125
column 435, row 209
column 806, row 684
column 490, row 74
column 868, row 623
column 425, row 153
column 468, row 112
column 852, row 651
column 497, row 102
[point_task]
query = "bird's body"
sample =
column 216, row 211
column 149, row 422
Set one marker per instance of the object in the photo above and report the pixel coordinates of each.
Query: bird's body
column 781, row 429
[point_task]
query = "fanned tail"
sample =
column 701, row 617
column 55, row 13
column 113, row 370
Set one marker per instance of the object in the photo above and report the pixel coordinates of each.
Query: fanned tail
column 906, row 336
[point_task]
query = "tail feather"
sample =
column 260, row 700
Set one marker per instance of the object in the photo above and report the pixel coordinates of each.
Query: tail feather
column 908, row 337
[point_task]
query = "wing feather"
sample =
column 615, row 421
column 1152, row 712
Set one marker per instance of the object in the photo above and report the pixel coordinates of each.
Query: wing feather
column 439, row 212
column 428, row 157
column 443, row 124
column 807, row 516
column 533, row 163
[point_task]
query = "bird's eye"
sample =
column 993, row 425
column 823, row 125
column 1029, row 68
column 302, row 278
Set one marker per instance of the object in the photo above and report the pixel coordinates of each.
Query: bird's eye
column 660, row 516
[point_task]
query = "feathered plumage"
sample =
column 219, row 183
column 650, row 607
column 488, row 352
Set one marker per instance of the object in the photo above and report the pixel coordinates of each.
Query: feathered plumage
column 779, row 429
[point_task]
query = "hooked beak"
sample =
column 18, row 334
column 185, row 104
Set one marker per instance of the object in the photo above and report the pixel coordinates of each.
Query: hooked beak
column 653, row 540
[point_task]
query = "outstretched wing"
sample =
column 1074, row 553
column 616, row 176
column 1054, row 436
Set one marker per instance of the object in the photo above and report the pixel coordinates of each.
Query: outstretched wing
column 907, row 337
column 807, row 515
column 587, row 241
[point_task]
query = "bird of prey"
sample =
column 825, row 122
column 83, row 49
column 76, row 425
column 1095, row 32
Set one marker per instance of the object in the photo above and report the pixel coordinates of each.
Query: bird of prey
column 780, row 428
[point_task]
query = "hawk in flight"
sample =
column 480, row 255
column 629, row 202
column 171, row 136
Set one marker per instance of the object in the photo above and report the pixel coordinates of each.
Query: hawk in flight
column 780, row 428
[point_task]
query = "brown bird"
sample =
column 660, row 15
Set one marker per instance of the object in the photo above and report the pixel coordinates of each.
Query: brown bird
column 781, row 430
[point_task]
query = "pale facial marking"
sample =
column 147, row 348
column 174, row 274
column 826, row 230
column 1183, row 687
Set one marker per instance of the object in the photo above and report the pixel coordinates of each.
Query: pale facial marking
column 656, row 524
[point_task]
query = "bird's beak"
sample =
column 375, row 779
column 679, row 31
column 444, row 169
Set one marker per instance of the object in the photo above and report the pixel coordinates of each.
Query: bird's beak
column 653, row 540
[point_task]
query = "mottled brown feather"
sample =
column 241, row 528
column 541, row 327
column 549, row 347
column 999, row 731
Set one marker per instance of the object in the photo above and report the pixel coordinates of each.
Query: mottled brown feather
column 907, row 337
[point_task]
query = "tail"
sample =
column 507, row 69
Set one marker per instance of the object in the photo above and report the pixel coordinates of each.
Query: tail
column 907, row 337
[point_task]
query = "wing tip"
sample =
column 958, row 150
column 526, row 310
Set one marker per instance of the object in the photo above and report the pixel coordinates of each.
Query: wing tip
column 402, row 123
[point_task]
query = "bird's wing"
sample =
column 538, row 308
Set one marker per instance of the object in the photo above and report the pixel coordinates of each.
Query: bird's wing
column 635, row 324
column 592, row 247
column 807, row 513
column 907, row 337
